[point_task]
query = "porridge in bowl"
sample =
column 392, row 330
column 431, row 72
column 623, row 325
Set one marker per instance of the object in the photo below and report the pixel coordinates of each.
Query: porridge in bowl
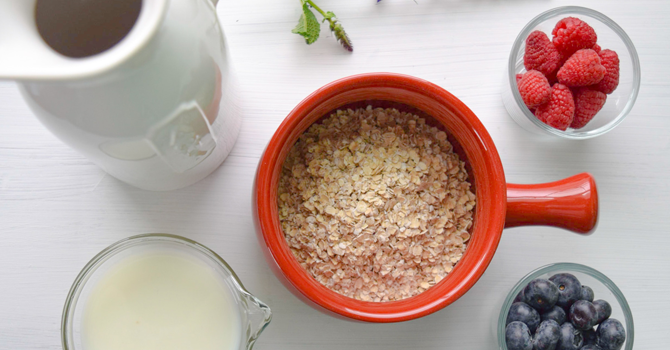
column 375, row 204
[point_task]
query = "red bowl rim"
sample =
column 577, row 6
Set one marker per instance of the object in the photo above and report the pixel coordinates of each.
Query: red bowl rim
column 425, row 303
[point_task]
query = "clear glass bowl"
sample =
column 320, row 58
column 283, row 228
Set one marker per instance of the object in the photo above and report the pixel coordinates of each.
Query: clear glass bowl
column 254, row 315
column 610, row 36
column 602, row 286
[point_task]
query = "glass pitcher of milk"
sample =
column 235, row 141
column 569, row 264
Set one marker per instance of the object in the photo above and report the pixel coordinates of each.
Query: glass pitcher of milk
column 143, row 88
column 160, row 292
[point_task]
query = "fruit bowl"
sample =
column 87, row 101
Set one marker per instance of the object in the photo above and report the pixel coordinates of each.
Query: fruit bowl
column 603, row 288
column 610, row 36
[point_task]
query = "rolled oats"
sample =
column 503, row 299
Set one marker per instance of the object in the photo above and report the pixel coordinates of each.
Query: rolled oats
column 375, row 204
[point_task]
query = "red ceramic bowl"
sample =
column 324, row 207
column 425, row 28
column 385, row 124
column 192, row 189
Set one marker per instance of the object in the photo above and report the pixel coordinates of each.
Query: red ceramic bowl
column 571, row 203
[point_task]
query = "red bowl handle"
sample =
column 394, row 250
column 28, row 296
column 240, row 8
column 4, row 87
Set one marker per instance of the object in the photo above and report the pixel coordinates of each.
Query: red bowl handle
column 571, row 203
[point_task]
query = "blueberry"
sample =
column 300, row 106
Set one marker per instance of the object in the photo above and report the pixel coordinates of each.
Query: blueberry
column 524, row 313
column 541, row 294
column 587, row 293
column 571, row 338
column 583, row 315
column 604, row 310
column 517, row 336
column 611, row 334
column 591, row 347
column 569, row 289
column 547, row 335
column 590, row 336
column 556, row 313
column 519, row 297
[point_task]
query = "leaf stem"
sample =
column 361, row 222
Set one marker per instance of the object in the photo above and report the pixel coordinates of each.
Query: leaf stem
column 311, row 3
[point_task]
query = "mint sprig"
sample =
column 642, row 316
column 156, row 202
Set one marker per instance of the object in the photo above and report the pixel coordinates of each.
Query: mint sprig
column 309, row 28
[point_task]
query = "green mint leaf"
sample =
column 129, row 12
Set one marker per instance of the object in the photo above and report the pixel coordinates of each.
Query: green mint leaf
column 308, row 26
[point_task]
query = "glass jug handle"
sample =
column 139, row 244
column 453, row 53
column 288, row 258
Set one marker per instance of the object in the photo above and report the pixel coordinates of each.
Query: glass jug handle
column 184, row 139
column 258, row 317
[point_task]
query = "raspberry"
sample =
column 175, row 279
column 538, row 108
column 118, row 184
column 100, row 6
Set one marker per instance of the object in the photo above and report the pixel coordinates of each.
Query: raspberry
column 561, row 61
column 560, row 109
column 534, row 89
column 572, row 34
column 540, row 54
column 609, row 60
column 581, row 69
column 596, row 48
column 587, row 103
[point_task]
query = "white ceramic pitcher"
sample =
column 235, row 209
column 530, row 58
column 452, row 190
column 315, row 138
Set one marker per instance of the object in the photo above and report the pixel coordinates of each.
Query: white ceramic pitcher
column 157, row 110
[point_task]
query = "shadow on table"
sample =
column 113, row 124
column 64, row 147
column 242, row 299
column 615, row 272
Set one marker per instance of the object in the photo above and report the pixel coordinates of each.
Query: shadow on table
column 215, row 211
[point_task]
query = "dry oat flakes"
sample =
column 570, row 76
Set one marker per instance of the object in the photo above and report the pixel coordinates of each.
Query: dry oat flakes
column 375, row 204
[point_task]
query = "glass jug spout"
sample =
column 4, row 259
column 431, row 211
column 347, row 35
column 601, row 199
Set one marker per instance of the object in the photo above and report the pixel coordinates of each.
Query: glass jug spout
column 258, row 316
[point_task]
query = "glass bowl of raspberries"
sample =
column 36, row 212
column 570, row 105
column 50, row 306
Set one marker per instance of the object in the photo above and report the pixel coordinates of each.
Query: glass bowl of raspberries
column 565, row 306
column 573, row 73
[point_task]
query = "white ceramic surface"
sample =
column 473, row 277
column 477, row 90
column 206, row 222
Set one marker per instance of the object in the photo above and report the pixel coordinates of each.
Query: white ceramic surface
column 158, row 110
column 57, row 209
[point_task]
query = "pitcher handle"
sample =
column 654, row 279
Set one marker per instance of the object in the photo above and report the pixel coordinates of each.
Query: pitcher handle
column 571, row 203
column 184, row 139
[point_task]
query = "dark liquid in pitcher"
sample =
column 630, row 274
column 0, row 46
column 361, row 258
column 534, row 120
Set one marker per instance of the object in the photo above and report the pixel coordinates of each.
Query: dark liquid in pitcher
column 81, row 28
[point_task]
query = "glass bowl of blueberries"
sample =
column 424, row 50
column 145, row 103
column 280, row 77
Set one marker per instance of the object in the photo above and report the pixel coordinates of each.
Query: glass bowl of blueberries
column 565, row 306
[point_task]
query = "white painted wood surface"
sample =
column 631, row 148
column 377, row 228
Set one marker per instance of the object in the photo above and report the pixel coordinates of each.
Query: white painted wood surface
column 57, row 209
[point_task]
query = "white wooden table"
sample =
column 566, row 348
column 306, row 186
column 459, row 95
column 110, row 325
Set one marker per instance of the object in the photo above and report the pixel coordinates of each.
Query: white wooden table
column 57, row 209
